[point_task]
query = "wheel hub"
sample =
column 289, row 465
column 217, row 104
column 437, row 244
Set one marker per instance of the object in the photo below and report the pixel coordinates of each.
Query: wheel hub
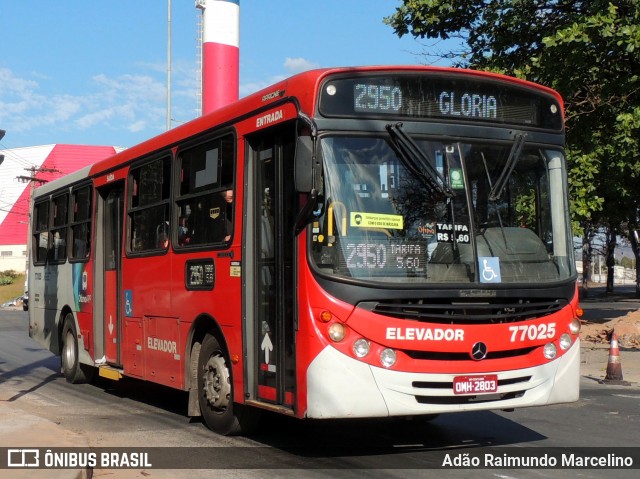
column 217, row 386
column 69, row 353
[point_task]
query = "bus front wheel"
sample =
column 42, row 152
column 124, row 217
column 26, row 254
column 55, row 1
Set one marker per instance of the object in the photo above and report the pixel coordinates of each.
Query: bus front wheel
column 215, row 393
column 71, row 368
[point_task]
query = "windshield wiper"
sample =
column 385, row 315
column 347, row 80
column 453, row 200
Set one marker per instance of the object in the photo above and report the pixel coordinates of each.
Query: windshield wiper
column 514, row 156
column 500, row 223
column 417, row 161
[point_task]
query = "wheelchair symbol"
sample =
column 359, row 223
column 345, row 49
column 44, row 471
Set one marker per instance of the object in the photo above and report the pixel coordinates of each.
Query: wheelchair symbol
column 128, row 303
column 490, row 270
column 488, row 274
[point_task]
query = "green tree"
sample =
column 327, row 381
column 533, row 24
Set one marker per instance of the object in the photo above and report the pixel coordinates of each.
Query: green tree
column 588, row 50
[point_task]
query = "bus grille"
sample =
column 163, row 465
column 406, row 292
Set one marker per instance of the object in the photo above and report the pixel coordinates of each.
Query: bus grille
column 446, row 400
column 468, row 399
column 467, row 312
column 449, row 385
column 452, row 356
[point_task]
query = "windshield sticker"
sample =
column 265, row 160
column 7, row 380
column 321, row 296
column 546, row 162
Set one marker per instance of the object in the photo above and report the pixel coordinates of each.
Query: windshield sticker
column 455, row 176
column 376, row 220
column 446, row 233
column 428, row 230
column 489, row 269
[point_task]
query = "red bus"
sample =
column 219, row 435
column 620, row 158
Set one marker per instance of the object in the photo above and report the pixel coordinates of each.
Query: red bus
column 351, row 242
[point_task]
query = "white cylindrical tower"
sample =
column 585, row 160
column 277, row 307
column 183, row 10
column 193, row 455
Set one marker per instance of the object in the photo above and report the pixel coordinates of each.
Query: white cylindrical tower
column 220, row 52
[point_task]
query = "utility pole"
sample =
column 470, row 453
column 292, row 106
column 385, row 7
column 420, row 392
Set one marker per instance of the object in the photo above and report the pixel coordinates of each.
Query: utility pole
column 33, row 179
column 168, row 65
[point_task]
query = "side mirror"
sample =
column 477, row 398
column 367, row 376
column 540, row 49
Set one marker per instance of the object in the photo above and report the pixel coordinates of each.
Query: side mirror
column 303, row 174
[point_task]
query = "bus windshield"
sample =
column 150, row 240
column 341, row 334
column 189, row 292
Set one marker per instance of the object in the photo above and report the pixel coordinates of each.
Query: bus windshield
column 402, row 209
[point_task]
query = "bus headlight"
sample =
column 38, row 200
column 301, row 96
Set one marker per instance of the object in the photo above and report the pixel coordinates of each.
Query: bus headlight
column 388, row 357
column 575, row 326
column 337, row 332
column 361, row 347
column 550, row 351
column 565, row 341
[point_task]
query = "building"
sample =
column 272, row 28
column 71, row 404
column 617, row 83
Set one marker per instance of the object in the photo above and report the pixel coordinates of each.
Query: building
column 27, row 168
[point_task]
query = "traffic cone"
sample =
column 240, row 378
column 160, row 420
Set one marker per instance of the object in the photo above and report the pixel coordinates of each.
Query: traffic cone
column 614, row 366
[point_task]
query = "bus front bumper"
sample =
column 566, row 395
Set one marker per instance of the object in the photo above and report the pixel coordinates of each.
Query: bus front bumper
column 342, row 387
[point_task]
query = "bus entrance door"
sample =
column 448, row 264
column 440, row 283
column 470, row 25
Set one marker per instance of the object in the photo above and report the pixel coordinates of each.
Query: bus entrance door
column 273, row 370
column 110, row 240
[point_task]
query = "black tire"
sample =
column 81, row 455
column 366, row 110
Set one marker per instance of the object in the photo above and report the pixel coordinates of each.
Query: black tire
column 69, row 357
column 215, row 393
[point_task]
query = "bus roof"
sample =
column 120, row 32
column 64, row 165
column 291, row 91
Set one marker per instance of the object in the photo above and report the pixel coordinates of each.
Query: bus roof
column 76, row 176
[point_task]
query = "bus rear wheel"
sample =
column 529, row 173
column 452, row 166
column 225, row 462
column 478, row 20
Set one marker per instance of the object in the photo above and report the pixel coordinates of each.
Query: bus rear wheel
column 215, row 393
column 71, row 368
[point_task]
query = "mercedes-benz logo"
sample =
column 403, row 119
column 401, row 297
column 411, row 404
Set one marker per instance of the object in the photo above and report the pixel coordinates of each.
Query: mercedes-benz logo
column 479, row 351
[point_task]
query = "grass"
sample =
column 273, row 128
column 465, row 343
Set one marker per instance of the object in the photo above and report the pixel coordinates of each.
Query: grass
column 13, row 290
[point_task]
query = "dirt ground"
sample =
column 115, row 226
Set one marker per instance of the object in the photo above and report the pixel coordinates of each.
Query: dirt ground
column 627, row 329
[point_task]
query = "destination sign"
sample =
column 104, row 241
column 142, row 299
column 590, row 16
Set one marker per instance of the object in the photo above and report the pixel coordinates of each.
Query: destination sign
column 384, row 258
column 439, row 96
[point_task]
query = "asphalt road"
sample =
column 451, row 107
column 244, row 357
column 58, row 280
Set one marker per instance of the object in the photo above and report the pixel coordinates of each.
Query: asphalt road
column 134, row 414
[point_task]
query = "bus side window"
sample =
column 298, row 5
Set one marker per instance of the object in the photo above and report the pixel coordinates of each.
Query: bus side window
column 205, row 193
column 41, row 231
column 162, row 235
column 58, row 251
column 184, row 234
column 80, row 242
column 149, row 206
column 81, row 201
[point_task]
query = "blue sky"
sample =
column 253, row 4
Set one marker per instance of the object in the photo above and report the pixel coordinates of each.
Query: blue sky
column 94, row 73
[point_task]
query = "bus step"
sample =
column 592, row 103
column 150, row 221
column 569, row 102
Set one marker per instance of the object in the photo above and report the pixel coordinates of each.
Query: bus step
column 110, row 373
column 271, row 407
